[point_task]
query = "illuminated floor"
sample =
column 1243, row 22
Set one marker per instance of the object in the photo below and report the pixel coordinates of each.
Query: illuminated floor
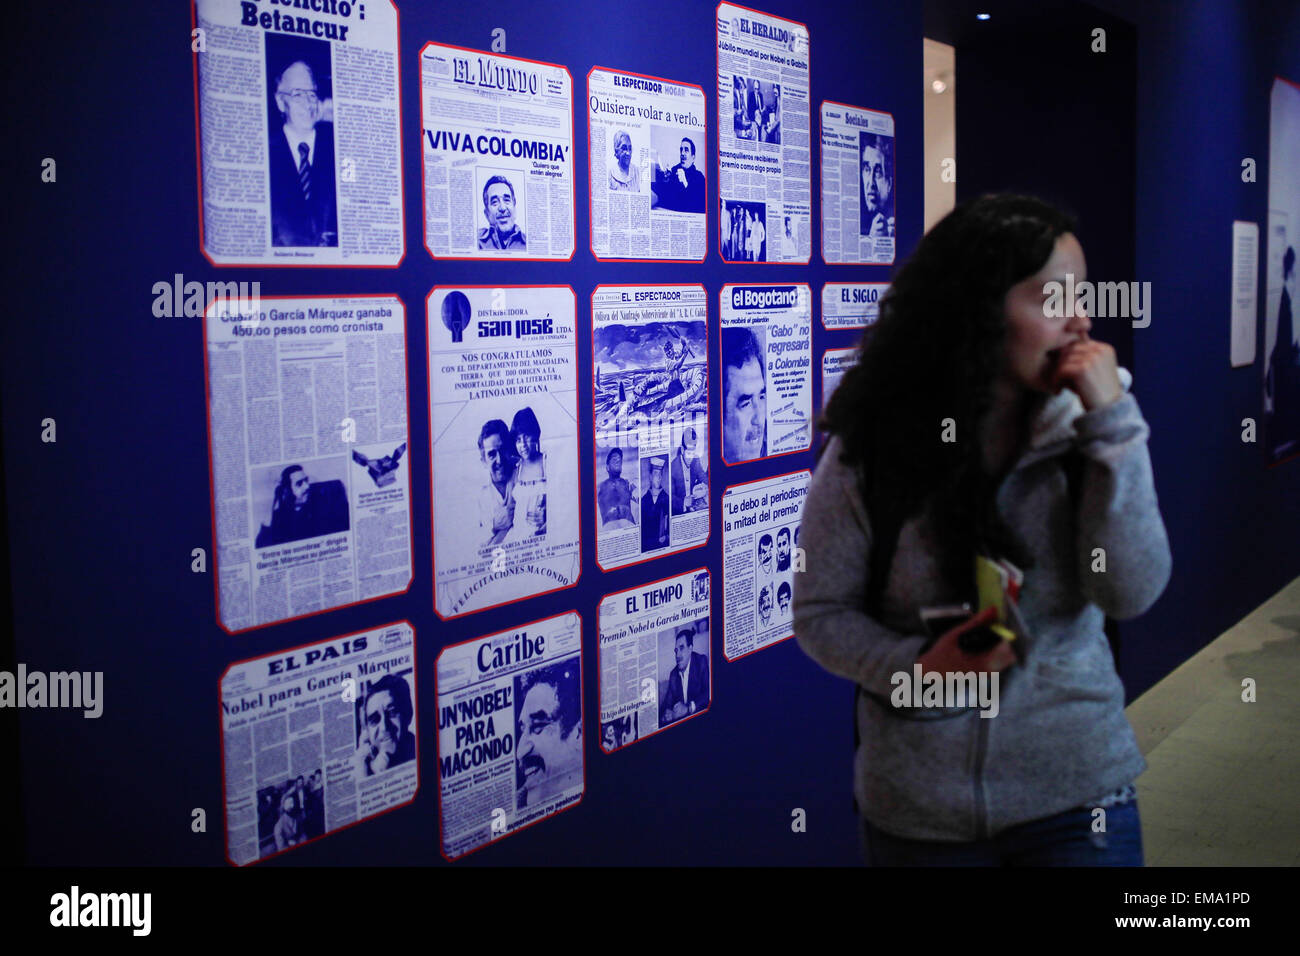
column 1223, row 785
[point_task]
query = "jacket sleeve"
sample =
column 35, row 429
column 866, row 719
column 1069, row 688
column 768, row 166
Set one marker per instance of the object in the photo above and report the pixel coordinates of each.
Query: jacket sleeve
column 1118, row 512
column 830, row 620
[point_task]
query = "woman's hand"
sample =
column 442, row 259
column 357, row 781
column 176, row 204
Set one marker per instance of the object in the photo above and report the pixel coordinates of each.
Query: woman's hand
column 946, row 657
column 1088, row 369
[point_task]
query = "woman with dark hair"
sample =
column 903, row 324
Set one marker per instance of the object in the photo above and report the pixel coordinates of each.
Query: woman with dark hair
column 978, row 421
column 530, row 479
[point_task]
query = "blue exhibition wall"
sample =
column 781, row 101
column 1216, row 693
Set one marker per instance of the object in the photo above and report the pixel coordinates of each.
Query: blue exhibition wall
column 102, row 522
column 1205, row 71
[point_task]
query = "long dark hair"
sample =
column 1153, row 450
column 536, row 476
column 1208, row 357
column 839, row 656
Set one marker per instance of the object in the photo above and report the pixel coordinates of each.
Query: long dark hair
column 934, row 354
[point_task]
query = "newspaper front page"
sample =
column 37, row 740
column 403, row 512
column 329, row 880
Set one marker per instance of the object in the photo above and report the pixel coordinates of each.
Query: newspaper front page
column 766, row 370
column 650, row 397
column 299, row 121
column 318, row 738
column 857, row 184
column 307, row 427
column 646, row 142
column 764, row 137
column 498, row 155
column 654, row 655
column 510, row 731
column 835, row 362
column 760, row 556
column 503, row 388
column 851, row 305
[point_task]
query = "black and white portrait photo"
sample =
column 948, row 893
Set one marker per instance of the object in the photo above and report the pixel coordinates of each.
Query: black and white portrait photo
column 616, row 497
column 512, row 498
column 877, row 197
column 503, row 210
column 623, row 163
column 385, row 737
column 304, row 208
column 655, row 510
column 548, row 745
column 679, row 184
column 301, row 500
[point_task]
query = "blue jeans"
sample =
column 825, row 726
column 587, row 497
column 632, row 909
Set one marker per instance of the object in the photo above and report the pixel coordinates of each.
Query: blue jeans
column 1066, row 839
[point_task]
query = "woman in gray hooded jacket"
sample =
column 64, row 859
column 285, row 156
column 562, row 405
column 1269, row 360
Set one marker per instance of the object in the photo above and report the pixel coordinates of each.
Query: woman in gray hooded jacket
column 982, row 418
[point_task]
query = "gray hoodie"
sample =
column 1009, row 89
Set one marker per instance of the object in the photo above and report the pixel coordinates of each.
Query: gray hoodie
column 1060, row 739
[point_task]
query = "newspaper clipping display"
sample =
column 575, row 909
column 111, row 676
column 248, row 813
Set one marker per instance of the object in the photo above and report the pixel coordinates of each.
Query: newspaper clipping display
column 857, row 185
column 318, row 738
column 510, row 731
column 654, row 657
column 498, row 155
column 299, row 123
column 835, row 362
column 307, row 426
column 764, row 138
column 503, row 388
column 760, row 556
column 650, row 397
column 766, row 370
column 648, row 191
column 851, row 305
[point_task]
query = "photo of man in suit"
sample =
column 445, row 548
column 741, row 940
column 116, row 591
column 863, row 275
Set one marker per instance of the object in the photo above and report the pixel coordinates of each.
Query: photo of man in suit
column 304, row 211
column 688, row 477
column 654, row 510
column 688, row 681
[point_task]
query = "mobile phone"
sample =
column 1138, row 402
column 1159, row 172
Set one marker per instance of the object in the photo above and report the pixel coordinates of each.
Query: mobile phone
column 940, row 620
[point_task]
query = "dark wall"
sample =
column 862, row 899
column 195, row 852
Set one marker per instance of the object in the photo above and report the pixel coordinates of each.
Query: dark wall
column 102, row 523
column 1204, row 75
column 1038, row 112
column 1144, row 143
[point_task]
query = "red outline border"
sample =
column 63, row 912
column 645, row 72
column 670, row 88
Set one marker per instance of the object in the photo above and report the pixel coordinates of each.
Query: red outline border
column 595, row 476
column 850, row 328
column 821, row 376
column 591, row 189
column 212, row 483
column 732, row 660
column 862, row 109
column 717, row 62
column 433, row 538
column 401, row 170
column 676, row 723
column 582, row 722
column 722, row 370
column 221, row 727
column 573, row 188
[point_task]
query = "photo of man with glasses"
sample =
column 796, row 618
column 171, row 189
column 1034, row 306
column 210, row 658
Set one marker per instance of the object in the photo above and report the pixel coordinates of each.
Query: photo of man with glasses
column 303, row 205
column 548, row 749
